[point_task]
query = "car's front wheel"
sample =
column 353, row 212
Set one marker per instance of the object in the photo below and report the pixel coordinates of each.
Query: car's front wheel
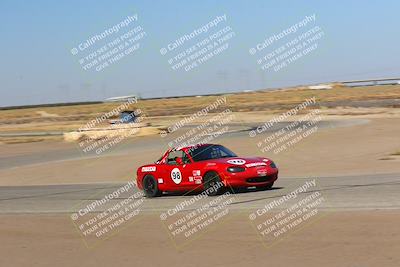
column 212, row 184
column 150, row 187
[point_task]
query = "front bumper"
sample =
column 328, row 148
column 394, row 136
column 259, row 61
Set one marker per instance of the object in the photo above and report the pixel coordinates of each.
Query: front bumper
column 251, row 177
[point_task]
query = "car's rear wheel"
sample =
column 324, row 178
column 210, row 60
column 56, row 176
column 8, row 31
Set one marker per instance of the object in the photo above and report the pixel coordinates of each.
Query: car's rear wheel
column 150, row 187
column 212, row 184
column 265, row 187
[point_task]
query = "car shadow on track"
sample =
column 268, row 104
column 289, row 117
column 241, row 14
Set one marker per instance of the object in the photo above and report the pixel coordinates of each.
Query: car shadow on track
column 252, row 189
column 230, row 190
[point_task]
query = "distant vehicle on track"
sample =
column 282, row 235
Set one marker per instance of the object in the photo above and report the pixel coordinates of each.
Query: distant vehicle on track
column 208, row 167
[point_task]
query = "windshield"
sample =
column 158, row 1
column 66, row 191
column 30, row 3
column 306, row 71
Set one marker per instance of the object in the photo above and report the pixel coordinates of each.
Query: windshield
column 210, row 152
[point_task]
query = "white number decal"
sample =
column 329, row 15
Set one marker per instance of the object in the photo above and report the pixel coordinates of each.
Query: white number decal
column 176, row 176
column 237, row 161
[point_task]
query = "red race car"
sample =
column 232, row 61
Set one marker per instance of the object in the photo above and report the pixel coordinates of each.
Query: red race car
column 204, row 167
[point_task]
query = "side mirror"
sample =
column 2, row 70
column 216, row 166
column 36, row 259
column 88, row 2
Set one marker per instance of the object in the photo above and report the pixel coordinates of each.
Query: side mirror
column 179, row 161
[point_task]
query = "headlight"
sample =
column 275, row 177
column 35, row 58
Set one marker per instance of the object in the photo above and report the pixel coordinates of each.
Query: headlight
column 273, row 165
column 236, row 169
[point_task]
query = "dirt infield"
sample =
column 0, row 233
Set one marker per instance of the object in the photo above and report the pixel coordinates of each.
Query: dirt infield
column 360, row 238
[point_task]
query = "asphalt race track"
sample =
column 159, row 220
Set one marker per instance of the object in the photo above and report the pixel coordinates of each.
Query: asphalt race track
column 340, row 193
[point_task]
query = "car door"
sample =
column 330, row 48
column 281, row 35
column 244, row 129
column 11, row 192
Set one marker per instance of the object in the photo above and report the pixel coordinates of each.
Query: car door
column 175, row 176
column 191, row 171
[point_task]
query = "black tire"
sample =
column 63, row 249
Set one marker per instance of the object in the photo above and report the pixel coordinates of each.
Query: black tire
column 212, row 184
column 150, row 187
column 265, row 187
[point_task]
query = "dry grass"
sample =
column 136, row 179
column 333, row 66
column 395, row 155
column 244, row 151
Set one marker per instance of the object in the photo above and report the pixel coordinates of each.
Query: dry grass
column 69, row 118
column 391, row 156
column 259, row 100
column 28, row 139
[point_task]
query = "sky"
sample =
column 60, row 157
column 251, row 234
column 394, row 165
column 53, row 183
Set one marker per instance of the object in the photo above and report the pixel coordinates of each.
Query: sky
column 359, row 41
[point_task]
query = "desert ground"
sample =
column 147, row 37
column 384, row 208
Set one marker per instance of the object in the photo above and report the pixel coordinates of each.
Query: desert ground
column 361, row 238
column 354, row 156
